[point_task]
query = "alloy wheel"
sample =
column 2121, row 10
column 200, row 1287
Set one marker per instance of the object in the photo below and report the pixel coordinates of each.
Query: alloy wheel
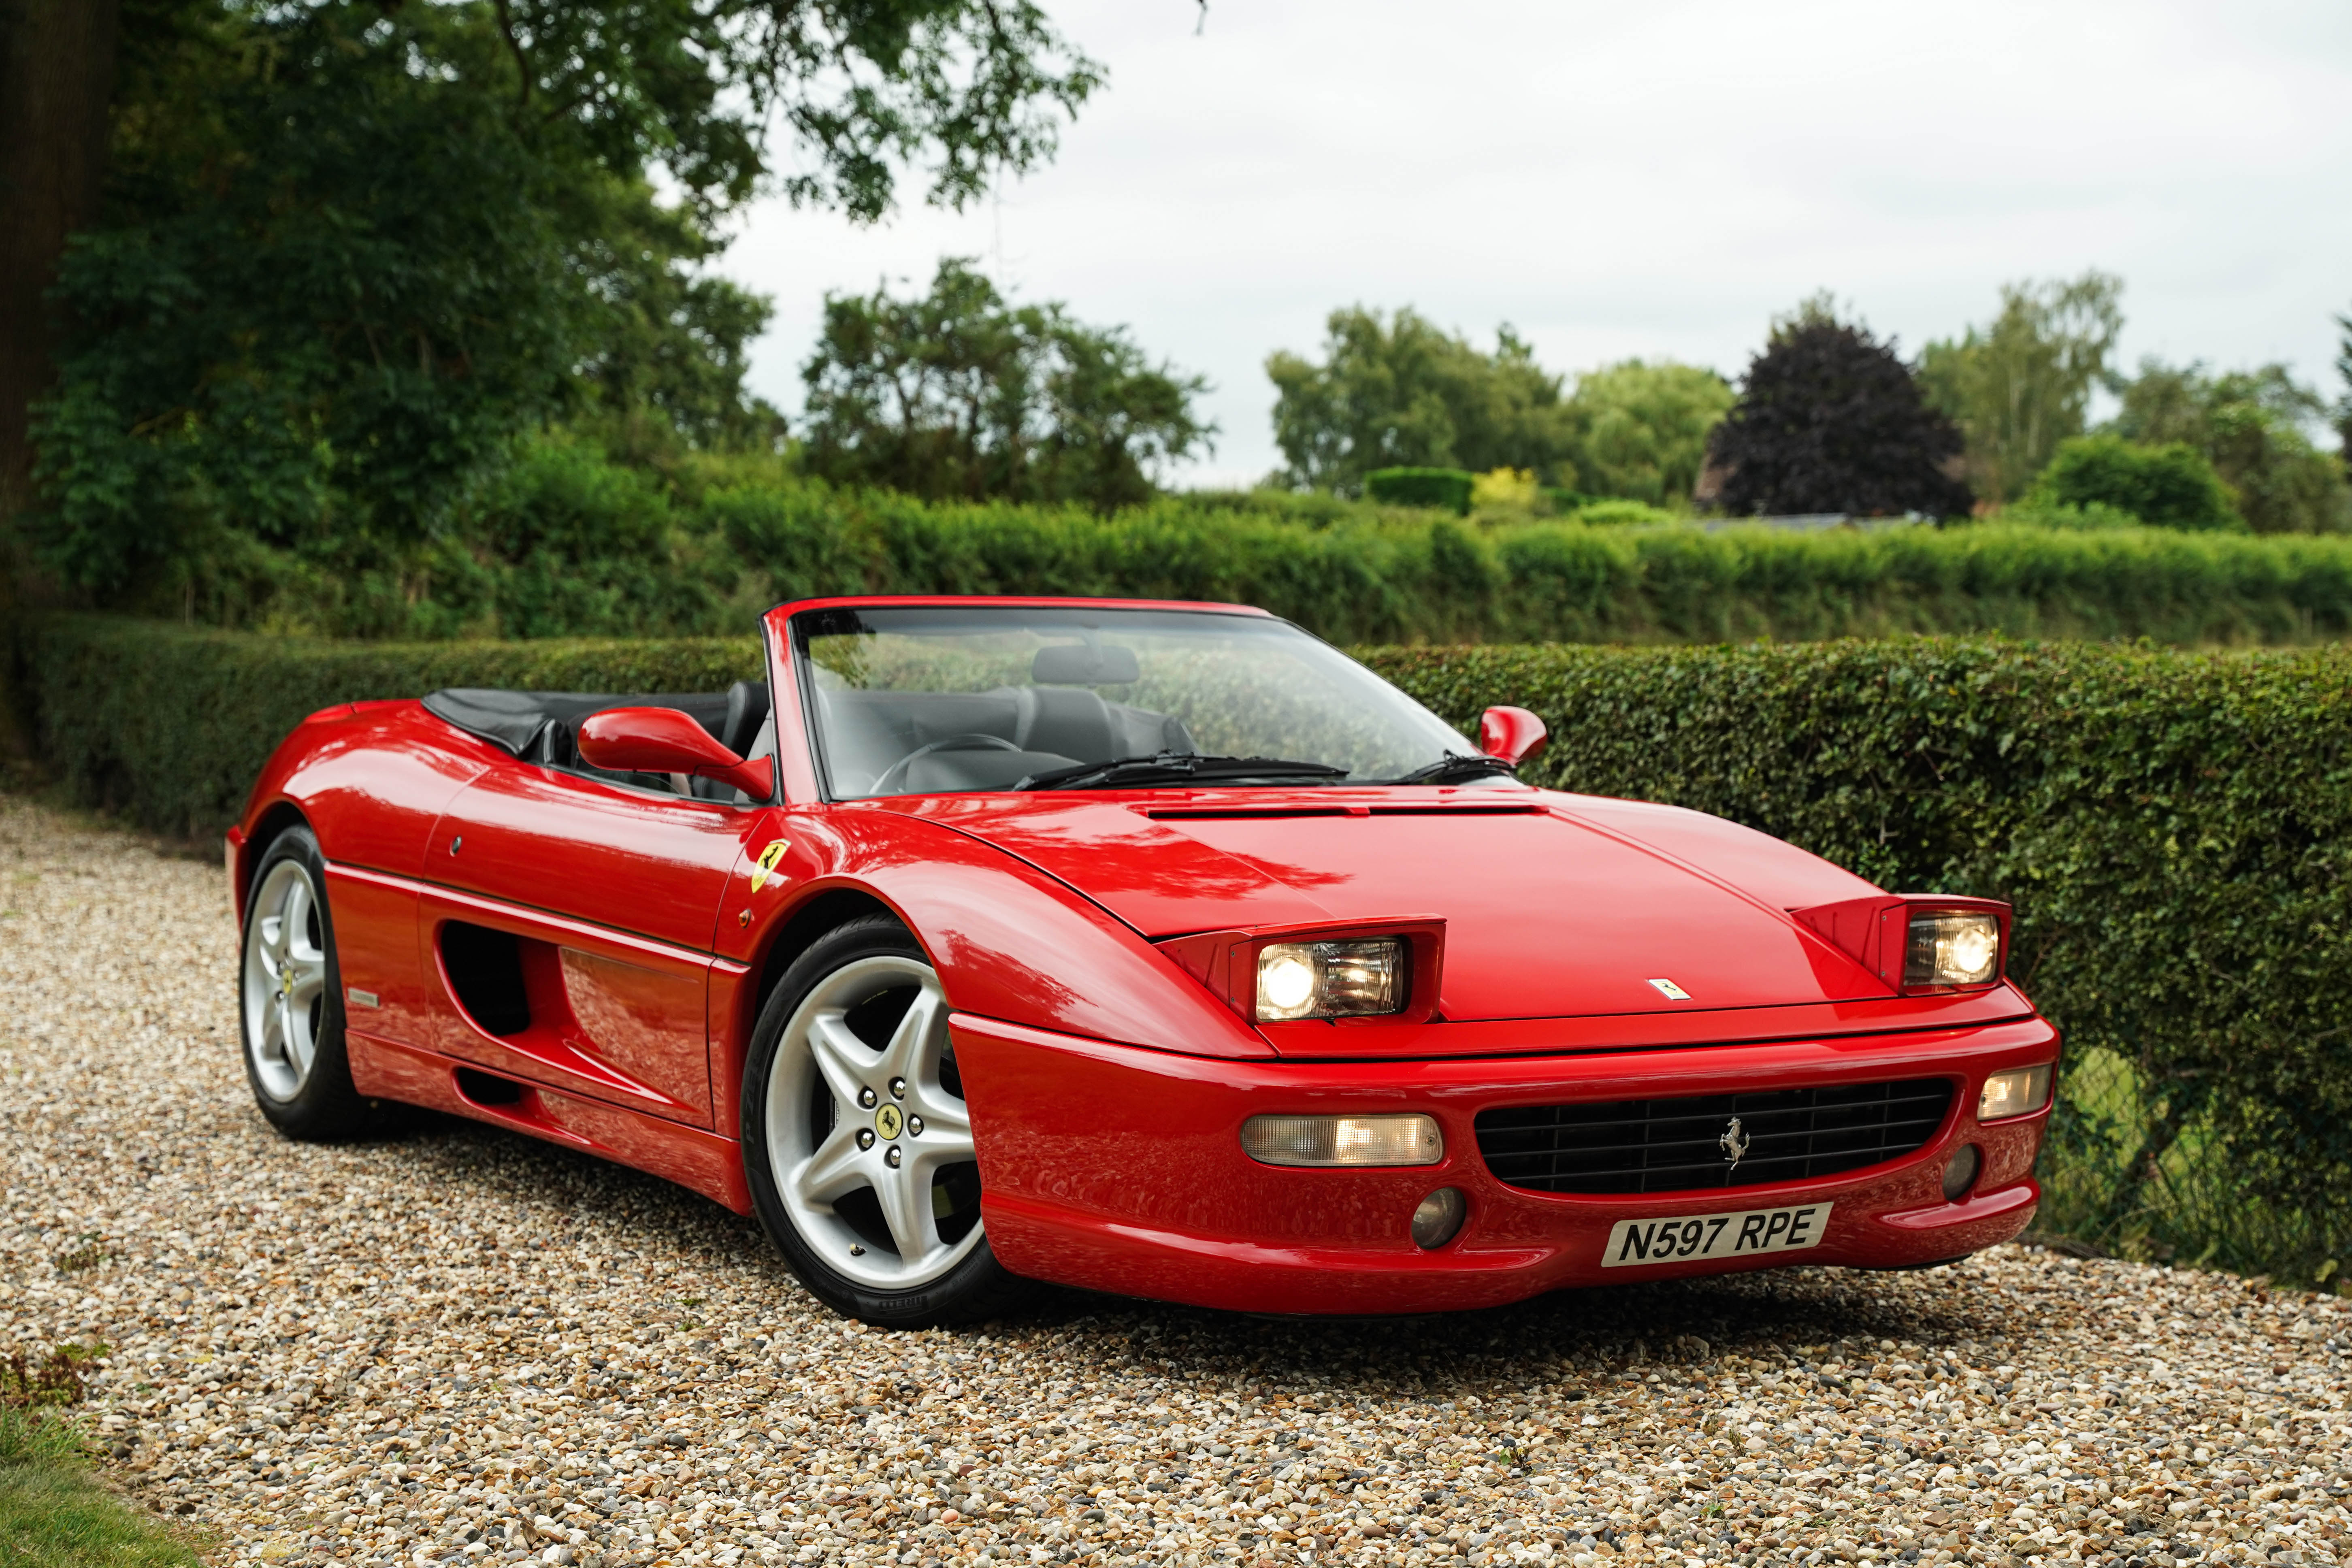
column 285, row 980
column 868, row 1139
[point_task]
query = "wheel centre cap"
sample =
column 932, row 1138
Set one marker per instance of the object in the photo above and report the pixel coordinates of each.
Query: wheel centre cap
column 887, row 1121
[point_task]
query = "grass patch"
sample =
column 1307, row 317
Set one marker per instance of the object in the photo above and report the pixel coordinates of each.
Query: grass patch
column 53, row 1512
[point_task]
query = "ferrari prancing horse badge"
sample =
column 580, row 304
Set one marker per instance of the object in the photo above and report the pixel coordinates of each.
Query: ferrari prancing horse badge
column 767, row 858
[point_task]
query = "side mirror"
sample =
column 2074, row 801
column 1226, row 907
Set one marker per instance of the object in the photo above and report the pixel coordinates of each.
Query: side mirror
column 664, row 741
column 1512, row 734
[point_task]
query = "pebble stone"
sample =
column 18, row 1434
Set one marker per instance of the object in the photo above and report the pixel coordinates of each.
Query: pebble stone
column 452, row 1345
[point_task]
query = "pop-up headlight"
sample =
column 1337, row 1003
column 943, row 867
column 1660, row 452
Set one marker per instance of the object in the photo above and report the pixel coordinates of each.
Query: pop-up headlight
column 1946, row 948
column 1331, row 979
column 1918, row 943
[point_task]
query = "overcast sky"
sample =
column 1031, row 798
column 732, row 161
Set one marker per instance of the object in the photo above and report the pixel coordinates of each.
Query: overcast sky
column 1649, row 179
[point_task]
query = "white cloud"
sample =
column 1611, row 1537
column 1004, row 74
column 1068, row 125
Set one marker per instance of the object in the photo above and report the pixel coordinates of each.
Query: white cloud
column 1654, row 179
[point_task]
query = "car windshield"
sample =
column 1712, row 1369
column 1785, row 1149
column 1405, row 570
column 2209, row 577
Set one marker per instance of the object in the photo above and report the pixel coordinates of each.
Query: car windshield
column 910, row 700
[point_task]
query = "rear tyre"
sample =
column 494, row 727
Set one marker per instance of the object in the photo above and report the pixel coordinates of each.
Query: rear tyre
column 856, row 1142
column 291, row 996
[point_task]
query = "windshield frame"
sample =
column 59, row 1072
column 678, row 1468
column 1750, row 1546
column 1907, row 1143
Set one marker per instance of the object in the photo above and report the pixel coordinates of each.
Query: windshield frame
column 807, row 618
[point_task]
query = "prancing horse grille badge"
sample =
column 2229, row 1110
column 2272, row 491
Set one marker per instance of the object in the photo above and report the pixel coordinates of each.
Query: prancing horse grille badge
column 1734, row 1143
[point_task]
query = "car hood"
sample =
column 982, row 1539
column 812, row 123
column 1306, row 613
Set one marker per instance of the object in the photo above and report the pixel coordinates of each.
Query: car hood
column 1554, row 905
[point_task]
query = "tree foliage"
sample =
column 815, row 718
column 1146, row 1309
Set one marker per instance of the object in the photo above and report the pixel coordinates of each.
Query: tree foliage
column 355, row 247
column 2169, row 486
column 2249, row 425
column 2018, row 387
column 1830, row 420
column 1402, row 392
column 962, row 394
column 1640, row 428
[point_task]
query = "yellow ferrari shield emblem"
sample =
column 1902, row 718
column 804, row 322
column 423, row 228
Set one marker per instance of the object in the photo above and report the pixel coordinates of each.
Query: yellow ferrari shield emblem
column 887, row 1121
column 767, row 867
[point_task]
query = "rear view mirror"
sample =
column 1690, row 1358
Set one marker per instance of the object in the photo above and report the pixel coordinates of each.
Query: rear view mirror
column 1084, row 664
column 664, row 741
column 1512, row 734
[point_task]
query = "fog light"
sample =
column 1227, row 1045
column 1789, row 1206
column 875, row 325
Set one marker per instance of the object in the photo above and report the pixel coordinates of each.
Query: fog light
column 2019, row 1093
column 1438, row 1217
column 1343, row 1139
column 1960, row 1173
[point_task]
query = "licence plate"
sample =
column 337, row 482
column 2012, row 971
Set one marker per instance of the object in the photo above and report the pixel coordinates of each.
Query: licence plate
column 1688, row 1238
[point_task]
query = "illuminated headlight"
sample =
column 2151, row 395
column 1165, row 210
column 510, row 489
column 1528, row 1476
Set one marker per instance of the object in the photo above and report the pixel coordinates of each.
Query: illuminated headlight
column 1330, row 979
column 2019, row 1093
column 1343, row 1139
column 1952, row 949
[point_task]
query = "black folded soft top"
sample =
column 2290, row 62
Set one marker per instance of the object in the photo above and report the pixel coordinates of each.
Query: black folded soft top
column 519, row 721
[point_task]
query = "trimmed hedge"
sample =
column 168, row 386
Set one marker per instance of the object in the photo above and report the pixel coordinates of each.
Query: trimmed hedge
column 1447, row 490
column 1442, row 581
column 2174, row 827
column 169, row 725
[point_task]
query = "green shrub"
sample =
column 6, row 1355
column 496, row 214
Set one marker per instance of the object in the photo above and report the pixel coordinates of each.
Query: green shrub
column 1621, row 513
column 2171, row 486
column 2174, row 828
column 1446, row 488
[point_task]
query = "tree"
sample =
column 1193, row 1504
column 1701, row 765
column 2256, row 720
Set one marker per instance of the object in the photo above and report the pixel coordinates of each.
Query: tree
column 1830, row 420
column 1641, row 430
column 353, row 248
column 1401, row 391
column 960, row 392
column 2169, row 486
column 2344, row 404
column 2023, row 384
column 57, row 73
column 2251, row 426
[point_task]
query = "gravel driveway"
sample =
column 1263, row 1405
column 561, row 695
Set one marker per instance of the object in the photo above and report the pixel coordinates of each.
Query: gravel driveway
column 454, row 1345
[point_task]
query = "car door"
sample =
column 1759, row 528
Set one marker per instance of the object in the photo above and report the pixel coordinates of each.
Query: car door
column 568, row 919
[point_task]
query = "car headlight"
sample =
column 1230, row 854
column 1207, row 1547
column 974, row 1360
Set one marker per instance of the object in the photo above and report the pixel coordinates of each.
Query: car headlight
column 1343, row 1139
column 1331, row 979
column 1952, row 948
column 2019, row 1093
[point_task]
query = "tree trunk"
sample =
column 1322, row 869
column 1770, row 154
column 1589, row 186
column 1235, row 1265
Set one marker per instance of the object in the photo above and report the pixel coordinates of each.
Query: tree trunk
column 56, row 75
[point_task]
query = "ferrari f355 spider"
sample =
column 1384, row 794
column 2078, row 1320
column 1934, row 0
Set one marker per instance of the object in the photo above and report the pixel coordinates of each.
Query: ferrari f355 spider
column 1158, row 949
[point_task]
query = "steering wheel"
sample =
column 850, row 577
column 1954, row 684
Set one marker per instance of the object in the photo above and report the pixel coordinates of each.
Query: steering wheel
column 895, row 776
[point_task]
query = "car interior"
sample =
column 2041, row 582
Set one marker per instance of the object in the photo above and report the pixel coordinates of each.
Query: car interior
column 876, row 743
column 921, row 742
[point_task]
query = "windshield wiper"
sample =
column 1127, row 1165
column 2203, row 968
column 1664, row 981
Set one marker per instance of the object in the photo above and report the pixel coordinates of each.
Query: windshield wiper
column 1453, row 768
column 1170, row 766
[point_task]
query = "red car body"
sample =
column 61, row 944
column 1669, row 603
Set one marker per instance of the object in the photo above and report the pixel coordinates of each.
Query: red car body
column 1107, row 1070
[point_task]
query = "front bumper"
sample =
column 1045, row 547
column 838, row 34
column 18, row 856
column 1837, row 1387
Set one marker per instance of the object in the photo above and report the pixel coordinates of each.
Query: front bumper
column 1114, row 1168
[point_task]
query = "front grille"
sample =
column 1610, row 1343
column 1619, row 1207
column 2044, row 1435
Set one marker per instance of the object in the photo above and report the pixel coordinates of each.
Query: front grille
column 1676, row 1145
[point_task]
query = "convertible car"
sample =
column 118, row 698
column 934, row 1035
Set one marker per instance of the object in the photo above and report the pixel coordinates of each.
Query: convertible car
column 1158, row 949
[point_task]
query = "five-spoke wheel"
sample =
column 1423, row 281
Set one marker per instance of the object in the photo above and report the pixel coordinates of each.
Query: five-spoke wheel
column 857, row 1139
column 289, row 998
column 285, row 979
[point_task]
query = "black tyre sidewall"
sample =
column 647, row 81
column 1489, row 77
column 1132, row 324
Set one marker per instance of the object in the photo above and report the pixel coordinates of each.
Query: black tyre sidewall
column 326, row 1106
column 979, row 1287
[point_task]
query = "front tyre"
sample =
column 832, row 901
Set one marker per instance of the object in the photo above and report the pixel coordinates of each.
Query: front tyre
column 856, row 1142
column 291, row 996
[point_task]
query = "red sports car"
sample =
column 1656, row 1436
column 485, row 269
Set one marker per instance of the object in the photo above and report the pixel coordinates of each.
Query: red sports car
column 1152, row 948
